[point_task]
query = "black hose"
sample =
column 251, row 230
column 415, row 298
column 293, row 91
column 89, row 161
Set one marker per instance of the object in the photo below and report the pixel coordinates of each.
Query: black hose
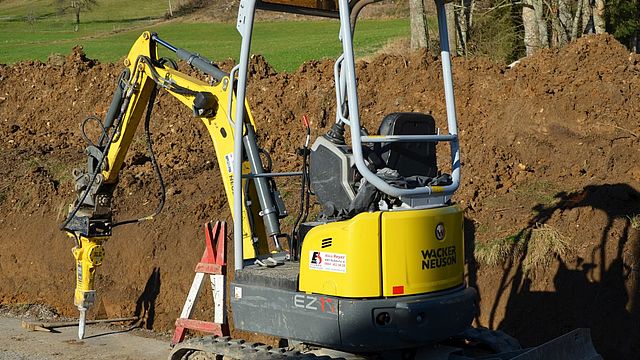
column 307, row 179
column 305, row 186
column 163, row 61
column 80, row 201
column 125, row 104
column 83, row 131
column 154, row 163
column 169, row 85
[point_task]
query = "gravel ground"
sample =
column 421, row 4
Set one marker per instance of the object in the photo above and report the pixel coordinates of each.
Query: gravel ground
column 100, row 343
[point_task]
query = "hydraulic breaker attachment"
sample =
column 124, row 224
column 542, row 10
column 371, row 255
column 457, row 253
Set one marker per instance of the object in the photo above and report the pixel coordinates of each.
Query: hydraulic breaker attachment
column 88, row 253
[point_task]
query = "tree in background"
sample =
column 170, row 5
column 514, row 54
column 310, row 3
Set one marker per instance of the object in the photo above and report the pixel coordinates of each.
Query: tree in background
column 77, row 6
column 419, row 30
column 489, row 28
column 567, row 20
column 463, row 19
column 555, row 23
column 623, row 22
column 509, row 29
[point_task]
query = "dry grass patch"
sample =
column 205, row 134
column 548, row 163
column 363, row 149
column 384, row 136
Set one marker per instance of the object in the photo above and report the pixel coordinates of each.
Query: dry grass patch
column 546, row 243
column 542, row 244
column 634, row 221
column 498, row 251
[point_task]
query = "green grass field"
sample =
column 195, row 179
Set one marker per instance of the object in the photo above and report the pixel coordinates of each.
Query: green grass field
column 108, row 31
column 105, row 10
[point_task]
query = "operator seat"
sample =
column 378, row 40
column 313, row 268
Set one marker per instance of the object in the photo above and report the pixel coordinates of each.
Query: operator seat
column 408, row 158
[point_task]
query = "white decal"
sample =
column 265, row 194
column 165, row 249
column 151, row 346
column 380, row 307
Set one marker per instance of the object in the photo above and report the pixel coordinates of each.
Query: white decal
column 326, row 261
column 237, row 292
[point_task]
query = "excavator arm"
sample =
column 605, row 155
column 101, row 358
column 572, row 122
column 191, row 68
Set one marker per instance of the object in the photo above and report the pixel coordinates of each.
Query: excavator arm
column 90, row 219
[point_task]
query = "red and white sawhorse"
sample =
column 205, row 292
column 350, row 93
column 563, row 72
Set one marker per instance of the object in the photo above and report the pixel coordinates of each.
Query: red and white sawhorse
column 213, row 264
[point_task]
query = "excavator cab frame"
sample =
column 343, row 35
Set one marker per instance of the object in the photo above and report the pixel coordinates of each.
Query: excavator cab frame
column 347, row 112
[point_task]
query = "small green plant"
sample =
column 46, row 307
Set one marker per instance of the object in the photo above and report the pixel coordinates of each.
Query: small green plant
column 539, row 191
column 634, row 220
column 546, row 243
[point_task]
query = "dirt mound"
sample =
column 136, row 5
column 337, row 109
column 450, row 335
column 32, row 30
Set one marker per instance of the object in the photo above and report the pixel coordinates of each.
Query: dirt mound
column 550, row 184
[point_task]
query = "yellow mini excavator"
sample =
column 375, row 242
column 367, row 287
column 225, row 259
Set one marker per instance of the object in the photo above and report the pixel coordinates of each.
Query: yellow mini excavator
column 378, row 274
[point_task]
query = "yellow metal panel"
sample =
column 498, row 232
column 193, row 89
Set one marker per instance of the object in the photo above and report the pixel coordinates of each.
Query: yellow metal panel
column 343, row 258
column 221, row 132
column 126, row 131
column 414, row 261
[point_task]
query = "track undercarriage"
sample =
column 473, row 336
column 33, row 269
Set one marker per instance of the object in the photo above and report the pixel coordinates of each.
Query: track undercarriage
column 474, row 343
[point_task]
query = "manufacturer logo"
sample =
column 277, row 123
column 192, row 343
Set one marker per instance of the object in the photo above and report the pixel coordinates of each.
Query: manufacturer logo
column 316, row 258
column 440, row 231
column 440, row 257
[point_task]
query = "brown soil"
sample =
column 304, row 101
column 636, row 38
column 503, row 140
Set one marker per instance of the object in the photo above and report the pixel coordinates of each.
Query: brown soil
column 552, row 141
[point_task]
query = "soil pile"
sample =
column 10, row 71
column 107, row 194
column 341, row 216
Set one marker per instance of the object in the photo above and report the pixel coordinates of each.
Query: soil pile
column 550, row 165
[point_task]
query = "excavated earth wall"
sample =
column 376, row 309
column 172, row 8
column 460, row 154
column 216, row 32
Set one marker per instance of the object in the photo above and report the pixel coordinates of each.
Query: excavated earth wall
column 549, row 145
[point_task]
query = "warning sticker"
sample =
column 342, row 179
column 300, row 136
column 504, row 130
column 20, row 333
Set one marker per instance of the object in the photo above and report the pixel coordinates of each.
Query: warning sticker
column 326, row 261
column 228, row 159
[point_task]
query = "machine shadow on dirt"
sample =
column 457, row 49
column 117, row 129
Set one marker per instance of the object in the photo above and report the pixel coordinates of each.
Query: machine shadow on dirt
column 599, row 292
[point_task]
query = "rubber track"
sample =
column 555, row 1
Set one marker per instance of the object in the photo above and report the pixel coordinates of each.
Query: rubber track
column 238, row 349
column 229, row 348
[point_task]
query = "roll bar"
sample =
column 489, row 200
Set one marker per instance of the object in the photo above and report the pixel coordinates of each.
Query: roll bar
column 346, row 71
column 347, row 97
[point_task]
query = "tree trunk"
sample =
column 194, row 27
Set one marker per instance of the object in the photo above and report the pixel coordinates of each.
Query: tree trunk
column 419, row 31
column 587, row 18
column 598, row 17
column 543, row 34
column 531, row 37
column 461, row 28
column 472, row 9
column 555, row 24
column 451, row 24
column 77, row 25
column 463, row 25
column 564, row 19
column 575, row 26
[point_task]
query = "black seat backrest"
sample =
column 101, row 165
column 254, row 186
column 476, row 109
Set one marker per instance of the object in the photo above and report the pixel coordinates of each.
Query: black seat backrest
column 411, row 158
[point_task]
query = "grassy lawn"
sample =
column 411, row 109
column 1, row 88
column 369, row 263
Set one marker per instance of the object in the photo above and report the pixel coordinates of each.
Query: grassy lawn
column 108, row 31
column 104, row 11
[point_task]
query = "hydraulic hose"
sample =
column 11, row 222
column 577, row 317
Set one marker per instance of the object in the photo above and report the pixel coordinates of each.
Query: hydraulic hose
column 154, row 163
column 74, row 211
column 199, row 62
